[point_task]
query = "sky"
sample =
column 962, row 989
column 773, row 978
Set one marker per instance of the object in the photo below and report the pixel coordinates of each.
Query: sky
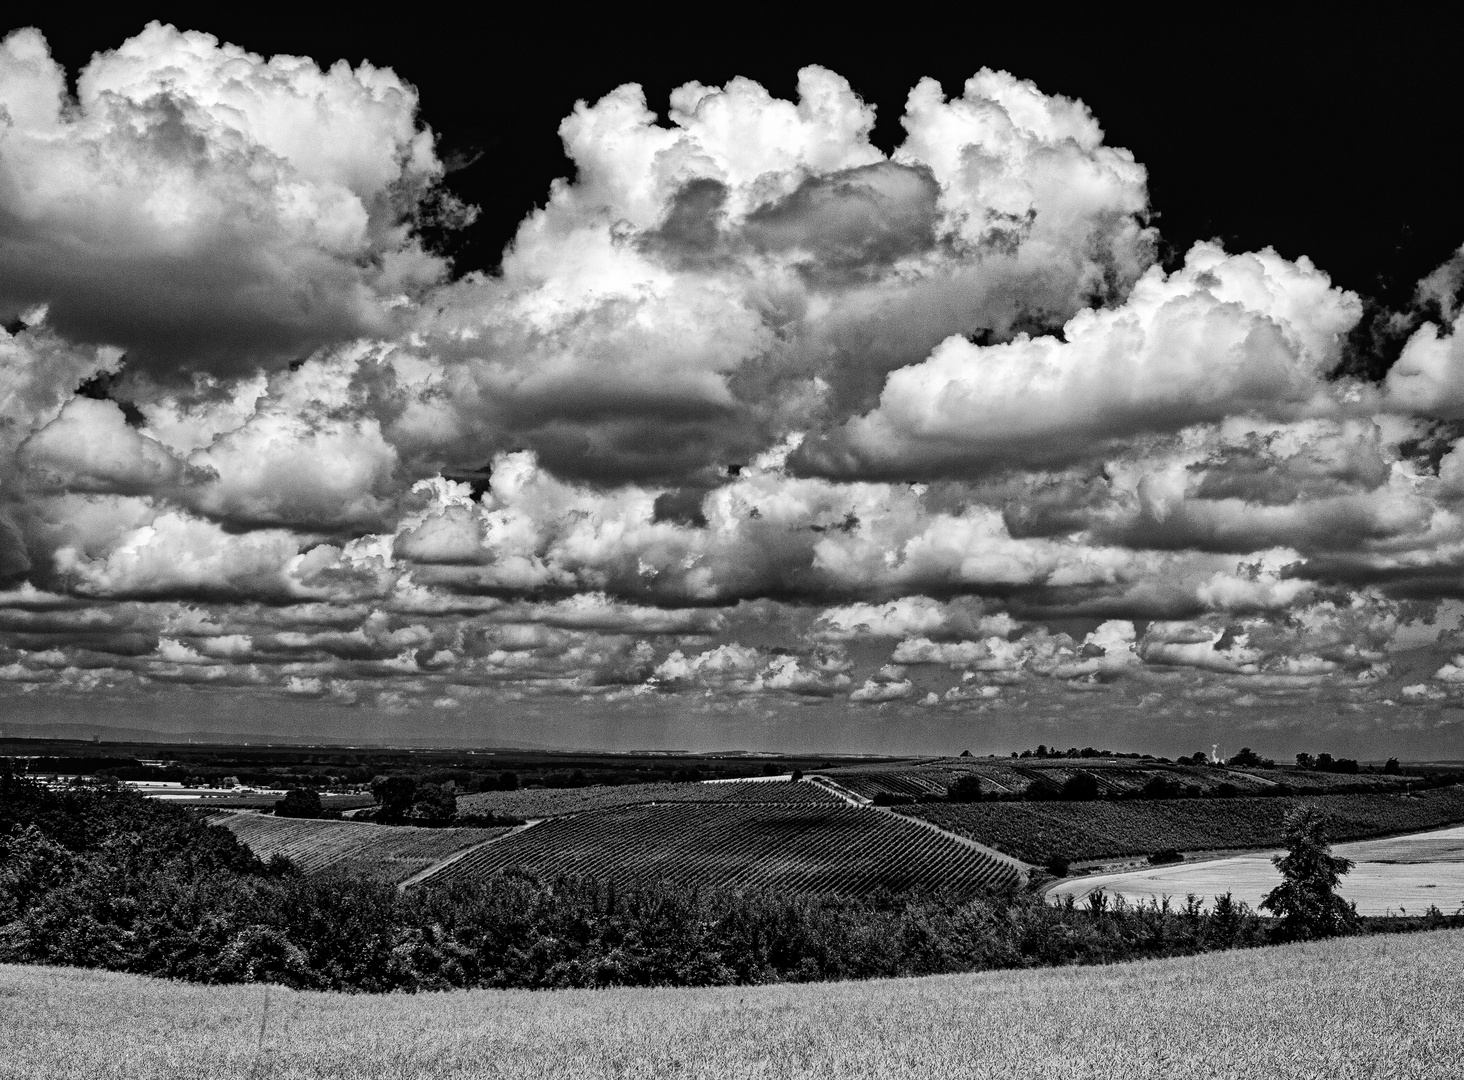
column 367, row 385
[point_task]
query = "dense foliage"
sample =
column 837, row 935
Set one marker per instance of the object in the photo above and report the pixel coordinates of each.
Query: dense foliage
column 102, row 878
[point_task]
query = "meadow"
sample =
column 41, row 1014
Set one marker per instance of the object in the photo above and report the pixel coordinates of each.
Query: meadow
column 1345, row 1009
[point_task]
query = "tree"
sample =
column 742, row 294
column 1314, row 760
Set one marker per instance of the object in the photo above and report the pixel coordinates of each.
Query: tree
column 1306, row 901
column 435, row 804
column 298, row 802
column 1249, row 759
column 964, row 789
column 395, row 796
column 1392, row 768
column 1305, row 761
column 1080, row 787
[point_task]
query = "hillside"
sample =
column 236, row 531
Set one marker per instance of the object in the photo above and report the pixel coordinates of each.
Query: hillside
column 390, row 853
column 1344, row 1009
column 1039, row 831
column 834, row 850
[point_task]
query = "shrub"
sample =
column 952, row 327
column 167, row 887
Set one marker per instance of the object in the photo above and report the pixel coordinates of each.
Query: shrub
column 1057, row 866
column 1164, row 857
column 964, row 789
column 1080, row 787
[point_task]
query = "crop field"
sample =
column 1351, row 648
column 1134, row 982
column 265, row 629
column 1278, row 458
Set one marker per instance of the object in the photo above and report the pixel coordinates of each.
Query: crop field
column 1345, row 1009
column 1405, row 874
column 534, row 803
column 1039, row 831
column 832, row 850
column 391, row 853
column 1116, row 777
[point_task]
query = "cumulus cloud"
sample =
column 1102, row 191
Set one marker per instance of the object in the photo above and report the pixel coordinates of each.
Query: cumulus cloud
column 1225, row 335
column 756, row 412
column 197, row 203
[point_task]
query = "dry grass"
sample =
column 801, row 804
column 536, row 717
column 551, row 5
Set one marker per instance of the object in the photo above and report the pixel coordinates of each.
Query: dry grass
column 1362, row 1007
column 1391, row 876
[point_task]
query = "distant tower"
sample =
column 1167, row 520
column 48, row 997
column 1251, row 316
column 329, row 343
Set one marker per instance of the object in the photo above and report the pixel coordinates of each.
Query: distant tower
column 1215, row 753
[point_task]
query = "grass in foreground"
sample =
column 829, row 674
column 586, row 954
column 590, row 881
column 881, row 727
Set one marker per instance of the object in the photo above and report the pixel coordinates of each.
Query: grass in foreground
column 1341, row 1009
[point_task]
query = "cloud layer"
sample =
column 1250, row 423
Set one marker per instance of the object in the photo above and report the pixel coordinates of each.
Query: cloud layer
column 755, row 416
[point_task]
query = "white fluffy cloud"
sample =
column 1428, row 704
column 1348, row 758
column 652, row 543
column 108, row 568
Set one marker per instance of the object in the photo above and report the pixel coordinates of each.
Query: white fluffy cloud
column 200, row 205
column 755, row 411
column 1224, row 336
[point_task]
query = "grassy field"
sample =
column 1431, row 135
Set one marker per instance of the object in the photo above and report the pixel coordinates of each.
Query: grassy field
column 835, row 850
column 1039, row 831
column 555, row 802
column 1344, row 1009
column 1393, row 876
column 389, row 853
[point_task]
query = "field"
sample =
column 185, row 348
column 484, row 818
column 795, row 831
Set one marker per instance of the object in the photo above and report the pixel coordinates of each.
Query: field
column 532, row 803
column 836, row 850
column 1401, row 874
column 1116, row 777
column 1344, row 1009
column 390, row 853
column 1039, row 831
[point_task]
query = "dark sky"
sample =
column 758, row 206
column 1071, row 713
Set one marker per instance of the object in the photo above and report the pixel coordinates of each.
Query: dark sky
column 1328, row 138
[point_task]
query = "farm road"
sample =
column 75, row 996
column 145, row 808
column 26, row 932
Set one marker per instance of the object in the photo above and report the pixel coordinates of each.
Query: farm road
column 1392, row 875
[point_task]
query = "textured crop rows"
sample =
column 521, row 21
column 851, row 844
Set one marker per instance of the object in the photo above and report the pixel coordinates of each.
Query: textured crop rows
column 554, row 802
column 1038, row 832
column 1115, row 778
column 380, row 852
column 832, row 850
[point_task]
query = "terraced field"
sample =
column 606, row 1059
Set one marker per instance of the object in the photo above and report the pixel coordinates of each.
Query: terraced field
column 390, row 853
column 555, row 802
column 1039, row 831
column 829, row 850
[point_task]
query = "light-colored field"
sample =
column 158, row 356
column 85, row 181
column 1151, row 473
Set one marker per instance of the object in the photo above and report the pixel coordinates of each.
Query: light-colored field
column 1404, row 873
column 391, row 853
column 1344, row 1010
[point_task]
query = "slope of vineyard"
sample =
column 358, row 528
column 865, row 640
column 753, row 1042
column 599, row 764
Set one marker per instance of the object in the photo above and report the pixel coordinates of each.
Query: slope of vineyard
column 380, row 852
column 555, row 802
column 1040, row 831
column 1116, row 777
column 829, row 850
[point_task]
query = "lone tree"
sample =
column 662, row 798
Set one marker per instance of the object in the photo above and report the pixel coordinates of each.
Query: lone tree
column 964, row 789
column 298, row 802
column 1306, row 901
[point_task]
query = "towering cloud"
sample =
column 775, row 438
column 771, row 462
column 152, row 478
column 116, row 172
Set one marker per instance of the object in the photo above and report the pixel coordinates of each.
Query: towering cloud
column 756, row 415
